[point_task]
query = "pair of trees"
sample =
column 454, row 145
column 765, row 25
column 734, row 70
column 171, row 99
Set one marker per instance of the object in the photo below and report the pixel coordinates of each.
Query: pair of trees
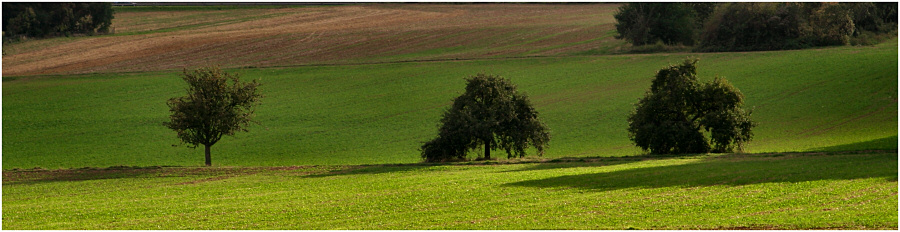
column 672, row 116
column 493, row 114
column 54, row 19
column 670, row 119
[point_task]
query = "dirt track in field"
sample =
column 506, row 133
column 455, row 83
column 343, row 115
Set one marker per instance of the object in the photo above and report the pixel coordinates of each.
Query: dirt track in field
column 150, row 41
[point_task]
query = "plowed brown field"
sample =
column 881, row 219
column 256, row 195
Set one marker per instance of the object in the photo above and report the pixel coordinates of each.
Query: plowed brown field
column 368, row 33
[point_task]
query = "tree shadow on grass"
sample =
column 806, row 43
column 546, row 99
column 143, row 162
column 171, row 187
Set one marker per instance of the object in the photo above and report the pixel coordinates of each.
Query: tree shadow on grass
column 372, row 169
column 20, row 177
column 44, row 176
column 734, row 170
column 888, row 143
column 599, row 161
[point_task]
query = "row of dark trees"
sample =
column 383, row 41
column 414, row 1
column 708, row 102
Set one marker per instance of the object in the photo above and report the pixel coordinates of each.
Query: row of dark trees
column 492, row 114
column 674, row 117
column 40, row 20
column 670, row 119
column 753, row 26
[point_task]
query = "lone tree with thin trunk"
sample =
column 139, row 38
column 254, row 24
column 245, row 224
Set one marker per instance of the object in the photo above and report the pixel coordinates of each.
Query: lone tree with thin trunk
column 217, row 104
column 491, row 113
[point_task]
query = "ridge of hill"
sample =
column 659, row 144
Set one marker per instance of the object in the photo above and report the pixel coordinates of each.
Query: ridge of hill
column 840, row 98
column 377, row 103
column 336, row 147
column 171, row 38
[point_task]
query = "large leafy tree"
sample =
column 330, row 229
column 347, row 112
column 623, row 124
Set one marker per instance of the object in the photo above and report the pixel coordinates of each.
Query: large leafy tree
column 42, row 19
column 492, row 114
column 670, row 23
column 217, row 104
column 673, row 117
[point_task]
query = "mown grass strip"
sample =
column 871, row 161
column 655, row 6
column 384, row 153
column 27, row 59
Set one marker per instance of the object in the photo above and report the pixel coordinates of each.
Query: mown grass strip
column 791, row 191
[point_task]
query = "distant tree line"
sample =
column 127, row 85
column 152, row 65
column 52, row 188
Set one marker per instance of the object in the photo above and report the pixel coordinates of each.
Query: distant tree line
column 40, row 20
column 753, row 25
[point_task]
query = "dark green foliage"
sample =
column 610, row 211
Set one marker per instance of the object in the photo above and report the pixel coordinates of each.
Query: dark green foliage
column 750, row 26
column 754, row 26
column 720, row 105
column 217, row 104
column 702, row 11
column 647, row 23
column 54, row 19
column 670, row 117
column 774, row 26
column 877, row 17
column 491, row 113
column 831, row 24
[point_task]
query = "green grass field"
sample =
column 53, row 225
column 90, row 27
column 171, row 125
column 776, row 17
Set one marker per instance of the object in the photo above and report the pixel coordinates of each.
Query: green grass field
column 773, row 191
column 337, row 145
column 841, row 98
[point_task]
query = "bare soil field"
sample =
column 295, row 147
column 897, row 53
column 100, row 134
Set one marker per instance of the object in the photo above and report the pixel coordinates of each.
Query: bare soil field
column 366, row 33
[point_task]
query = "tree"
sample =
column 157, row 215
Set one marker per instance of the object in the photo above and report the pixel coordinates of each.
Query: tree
column 647, row 23
column 670, row 117
column 747, row 26
column 55, row 19
column 874, row 21
column 217, row 104
column 491, row 113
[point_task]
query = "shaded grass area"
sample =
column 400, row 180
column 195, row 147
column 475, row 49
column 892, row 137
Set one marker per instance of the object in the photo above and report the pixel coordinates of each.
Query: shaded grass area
column 807, row 100
column 730, row 191
column 886, row 142
column 728, row 169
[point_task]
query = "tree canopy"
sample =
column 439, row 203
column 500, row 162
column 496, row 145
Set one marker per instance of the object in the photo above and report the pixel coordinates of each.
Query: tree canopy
column 217, row 104
column 648, row 23
column 491, row 113
column 672, row 116
column 52, row 19
column 748, row 26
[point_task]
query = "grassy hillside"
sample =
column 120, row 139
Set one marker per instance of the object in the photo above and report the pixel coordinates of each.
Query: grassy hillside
column 351, row 92
column 170, row 38
column 774, row 191
column 842, row 98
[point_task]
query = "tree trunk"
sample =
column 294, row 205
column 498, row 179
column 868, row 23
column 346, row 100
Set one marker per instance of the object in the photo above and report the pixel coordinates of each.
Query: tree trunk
column 208, row 157
column 487, row 150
